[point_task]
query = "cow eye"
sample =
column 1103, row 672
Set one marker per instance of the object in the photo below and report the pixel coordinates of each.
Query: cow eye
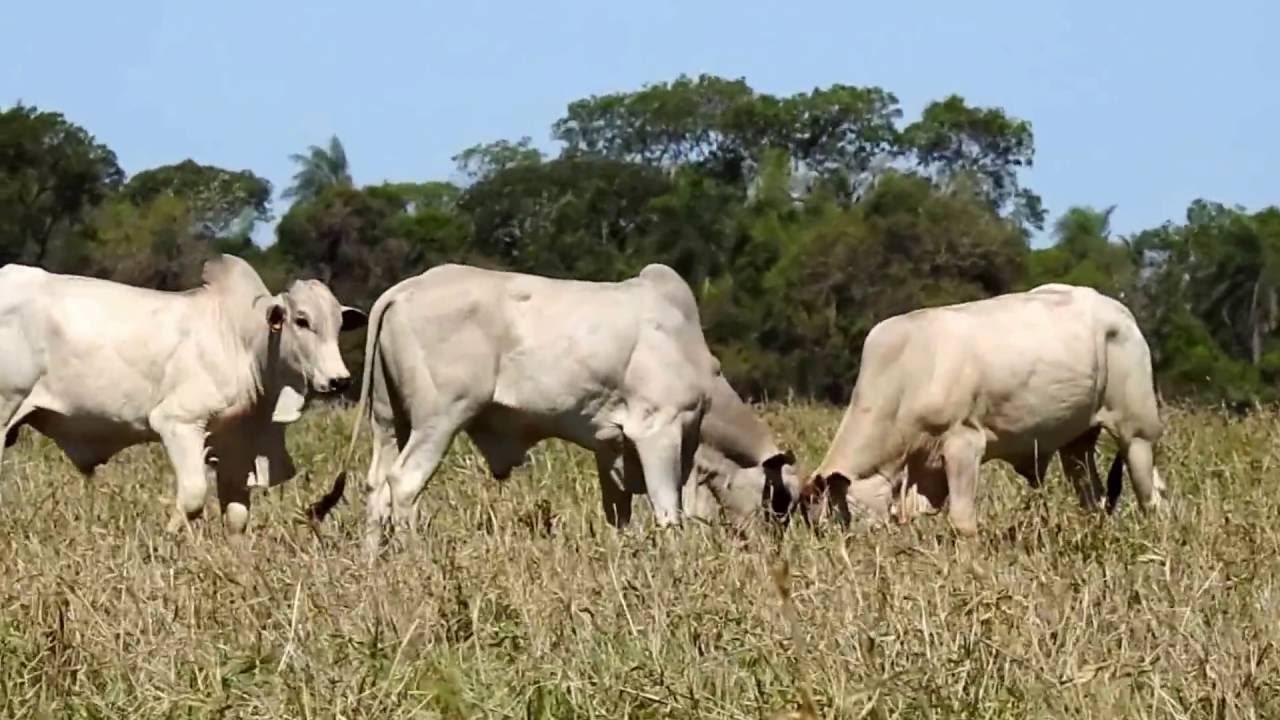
column 302, row 322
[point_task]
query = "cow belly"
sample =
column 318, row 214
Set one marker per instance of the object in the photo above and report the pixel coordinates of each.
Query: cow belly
column 89, row 441
column 1036, row 435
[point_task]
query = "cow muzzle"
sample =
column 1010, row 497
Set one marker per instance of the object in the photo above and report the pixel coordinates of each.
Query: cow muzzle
column 335, row 384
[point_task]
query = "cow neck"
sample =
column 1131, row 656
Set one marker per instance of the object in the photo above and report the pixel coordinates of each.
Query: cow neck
column 246, row 333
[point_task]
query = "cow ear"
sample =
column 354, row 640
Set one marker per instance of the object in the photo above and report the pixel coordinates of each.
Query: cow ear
column 353, row 318
column 786, row 457
column 275, row 316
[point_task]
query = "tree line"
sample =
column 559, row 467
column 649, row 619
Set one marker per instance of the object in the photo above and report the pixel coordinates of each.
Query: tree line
column 800, row 221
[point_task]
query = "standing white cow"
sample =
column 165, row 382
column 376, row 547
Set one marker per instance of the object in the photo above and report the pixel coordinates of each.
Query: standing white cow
column 1015, row 377
column 99, row 366
column 513, row 359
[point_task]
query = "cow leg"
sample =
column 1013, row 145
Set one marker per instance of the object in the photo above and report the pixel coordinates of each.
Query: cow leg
column 962, row 450
column 611, row 468
column 392, row 502
column 12, row 414
column 384, row 455
column 185, row 444
column 234, row 499
column 1080, row 466
column 662, row 460
column 1142, row 474
column 924, row 492
column 1033, row 469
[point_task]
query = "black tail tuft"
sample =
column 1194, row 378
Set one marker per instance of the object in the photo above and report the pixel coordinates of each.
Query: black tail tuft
column 1115, row 481
column 320, row 509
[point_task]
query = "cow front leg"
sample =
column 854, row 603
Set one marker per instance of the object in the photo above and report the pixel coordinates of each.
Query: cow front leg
column 235, row 500
column 615, row 498
column 662, row 460
column 1146, row 482
column 13, row 412
column 185, row 445
column 963, row 450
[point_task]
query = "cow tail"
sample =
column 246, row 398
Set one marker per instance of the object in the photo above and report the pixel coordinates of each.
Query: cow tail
column 317, row 511
column 366, row 374
column 1115, row 480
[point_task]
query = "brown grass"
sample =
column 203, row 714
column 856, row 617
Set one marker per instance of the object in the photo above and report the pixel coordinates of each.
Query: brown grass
column 490, row 613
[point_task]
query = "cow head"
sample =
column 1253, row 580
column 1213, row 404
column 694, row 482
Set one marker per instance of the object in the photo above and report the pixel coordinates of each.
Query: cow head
column 304, row 323
column 742, row 491
column 781, row 485
column 869, row 497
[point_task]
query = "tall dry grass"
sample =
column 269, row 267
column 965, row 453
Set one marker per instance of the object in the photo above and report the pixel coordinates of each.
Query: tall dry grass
column 516, row 600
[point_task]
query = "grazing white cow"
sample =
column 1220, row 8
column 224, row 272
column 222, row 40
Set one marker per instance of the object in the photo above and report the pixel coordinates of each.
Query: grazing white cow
column 738, row 468
column 99, row 366
column 1015, row 377
column 513, row 359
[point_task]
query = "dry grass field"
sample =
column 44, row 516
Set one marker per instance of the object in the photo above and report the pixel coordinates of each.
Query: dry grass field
column 517, row 601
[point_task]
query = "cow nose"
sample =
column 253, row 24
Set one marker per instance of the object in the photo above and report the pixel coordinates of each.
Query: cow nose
column 340, row 383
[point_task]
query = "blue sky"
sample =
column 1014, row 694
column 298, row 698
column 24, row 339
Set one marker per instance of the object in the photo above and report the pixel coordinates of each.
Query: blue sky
column 1146, row 105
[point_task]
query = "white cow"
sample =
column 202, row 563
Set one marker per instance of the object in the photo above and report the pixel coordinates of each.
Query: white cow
column 737, row 469
column 100, row 366
column 513, row 359
column 1015, row 377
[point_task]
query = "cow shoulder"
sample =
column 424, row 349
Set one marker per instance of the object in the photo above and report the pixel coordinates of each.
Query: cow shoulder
column 672, row 288
column 232, row 278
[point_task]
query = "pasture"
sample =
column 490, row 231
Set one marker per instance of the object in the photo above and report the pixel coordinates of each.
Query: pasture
column 517, row 601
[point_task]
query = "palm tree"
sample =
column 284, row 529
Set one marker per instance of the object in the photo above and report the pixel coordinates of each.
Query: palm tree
column 319, row 169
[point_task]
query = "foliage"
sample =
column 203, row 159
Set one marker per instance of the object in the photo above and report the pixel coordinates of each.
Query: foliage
column 799, row 220
column 319, row 169
column 52, row 174
column 223, row 203
column 150, row 245
column 480, row 162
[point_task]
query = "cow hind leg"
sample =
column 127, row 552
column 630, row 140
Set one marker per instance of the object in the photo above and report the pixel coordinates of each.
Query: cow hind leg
column 385, row 450
column 924, row 491
column 962, row 451
column 392, row 502
column 1079, row 464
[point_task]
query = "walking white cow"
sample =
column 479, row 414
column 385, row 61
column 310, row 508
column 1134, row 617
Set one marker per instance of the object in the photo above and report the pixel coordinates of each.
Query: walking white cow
column 99, row 366
column 1015, row 377
column 513, row 359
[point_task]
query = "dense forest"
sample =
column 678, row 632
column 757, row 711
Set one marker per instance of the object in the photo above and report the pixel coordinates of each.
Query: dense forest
column 800, row 222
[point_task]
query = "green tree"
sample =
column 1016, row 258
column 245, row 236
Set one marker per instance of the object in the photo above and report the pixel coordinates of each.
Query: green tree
column 723, row 128
column 481, row 162
column 223, row 203
column 149, row 244
column 579, row 217
column 1084, row 253
column 361, row 241
column 52, row 174
column 318, row 170
column 952, row 139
